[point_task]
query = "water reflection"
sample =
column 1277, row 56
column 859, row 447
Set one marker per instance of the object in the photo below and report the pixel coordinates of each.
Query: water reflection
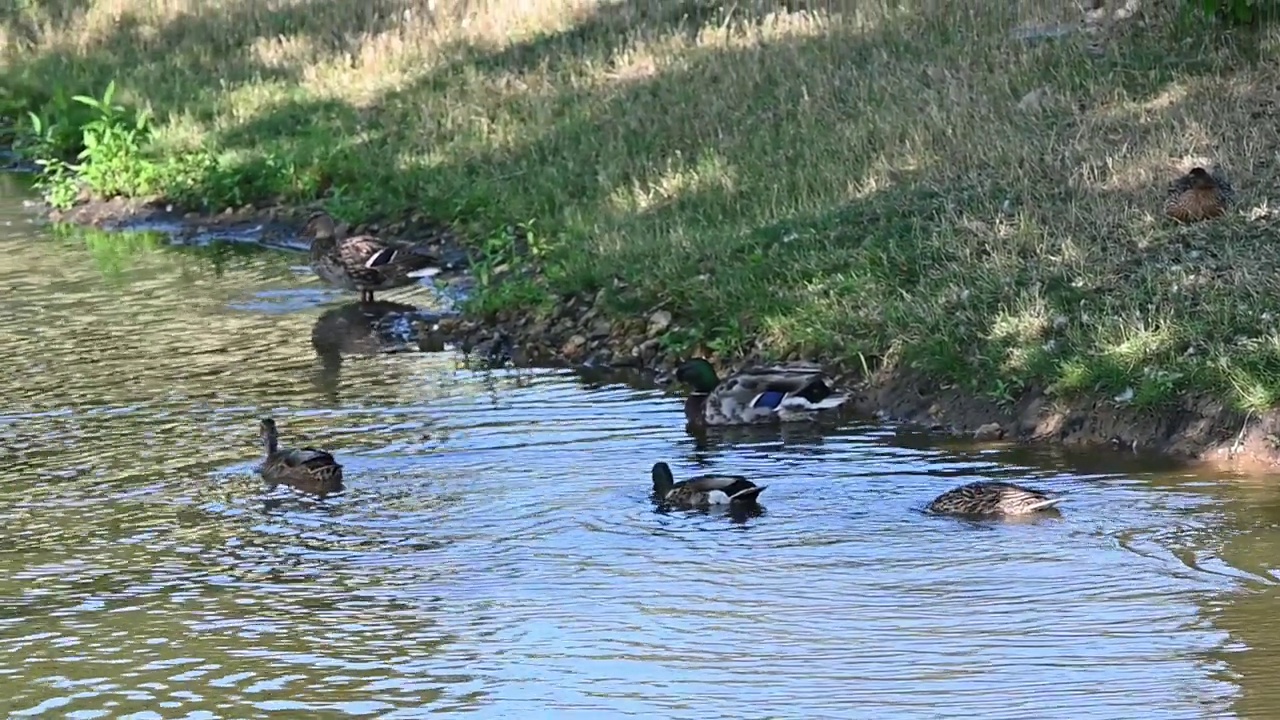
column 367, row 329
column 497, row 550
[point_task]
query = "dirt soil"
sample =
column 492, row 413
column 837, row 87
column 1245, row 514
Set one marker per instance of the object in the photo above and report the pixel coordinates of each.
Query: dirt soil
column 1200, row 431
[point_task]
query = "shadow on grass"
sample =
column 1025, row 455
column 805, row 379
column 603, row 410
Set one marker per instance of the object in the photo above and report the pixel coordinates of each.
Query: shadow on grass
column 763, row 184
column 189, row 62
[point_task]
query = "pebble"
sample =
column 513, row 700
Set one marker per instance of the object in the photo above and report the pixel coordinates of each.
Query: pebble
column 989, row 431
column 659, row 321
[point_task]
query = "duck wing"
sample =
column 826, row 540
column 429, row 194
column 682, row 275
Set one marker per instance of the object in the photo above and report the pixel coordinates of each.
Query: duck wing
column 728, row 484
column 769, row 387
column 309, row 458
column 365, row 254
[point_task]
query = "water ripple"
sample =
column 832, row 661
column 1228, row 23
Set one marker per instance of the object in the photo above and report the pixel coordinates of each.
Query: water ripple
column 497, row 550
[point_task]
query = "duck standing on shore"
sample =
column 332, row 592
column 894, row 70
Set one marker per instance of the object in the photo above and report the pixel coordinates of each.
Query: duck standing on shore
column 705, row 491
column 307, row 469
column 794, row 392
column 363, row 263
column 993, row 498
column 1197, row 196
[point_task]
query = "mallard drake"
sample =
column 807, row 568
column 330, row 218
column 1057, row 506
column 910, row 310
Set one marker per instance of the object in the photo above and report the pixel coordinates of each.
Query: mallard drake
column 362, row 263
column 993, row 498
column 704, row 491
column 307, row 469
column 1197, row 196
column 778, row 393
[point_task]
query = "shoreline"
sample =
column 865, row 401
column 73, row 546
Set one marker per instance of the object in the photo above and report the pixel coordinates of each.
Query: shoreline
column 1200, row 431
column 964, row 227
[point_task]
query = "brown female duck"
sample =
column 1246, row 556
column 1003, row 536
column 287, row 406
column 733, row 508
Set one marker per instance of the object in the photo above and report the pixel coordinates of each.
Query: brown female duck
column 993, row 498
column 307, row 469
column 1197, row 196
column 362, row 263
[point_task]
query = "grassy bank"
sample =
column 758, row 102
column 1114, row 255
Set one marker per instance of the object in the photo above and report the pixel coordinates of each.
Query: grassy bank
column 894, row 182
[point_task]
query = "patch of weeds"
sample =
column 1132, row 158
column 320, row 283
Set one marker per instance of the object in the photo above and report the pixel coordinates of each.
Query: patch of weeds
column 505, row 265
column 1239, row 12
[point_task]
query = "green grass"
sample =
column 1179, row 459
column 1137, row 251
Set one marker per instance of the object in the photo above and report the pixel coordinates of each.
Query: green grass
column 857, row 183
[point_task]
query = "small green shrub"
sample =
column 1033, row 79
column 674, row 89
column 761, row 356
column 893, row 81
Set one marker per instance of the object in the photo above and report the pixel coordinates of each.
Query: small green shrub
column 1239, row 12
column 80, row 139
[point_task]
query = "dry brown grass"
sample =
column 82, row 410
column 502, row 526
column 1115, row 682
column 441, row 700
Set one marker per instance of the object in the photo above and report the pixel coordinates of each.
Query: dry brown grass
column 861, row 179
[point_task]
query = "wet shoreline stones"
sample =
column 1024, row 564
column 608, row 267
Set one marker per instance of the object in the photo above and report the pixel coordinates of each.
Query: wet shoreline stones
column 577, row 333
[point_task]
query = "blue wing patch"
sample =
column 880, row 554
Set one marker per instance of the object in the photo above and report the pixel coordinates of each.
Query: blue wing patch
column 769, row 399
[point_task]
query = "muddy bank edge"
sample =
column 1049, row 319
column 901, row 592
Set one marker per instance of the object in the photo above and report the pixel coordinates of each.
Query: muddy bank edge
column 1201, row 429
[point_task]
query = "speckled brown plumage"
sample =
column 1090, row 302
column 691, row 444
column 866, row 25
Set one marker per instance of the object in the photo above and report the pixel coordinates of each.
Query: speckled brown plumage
column 993, row 498
column 361, row 263
column 1197, row 196
column 307, row 469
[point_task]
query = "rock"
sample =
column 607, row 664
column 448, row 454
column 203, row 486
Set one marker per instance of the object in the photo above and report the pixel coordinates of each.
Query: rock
column 648, row 350
column 990, row 431
column 573, row 347
column 431, row 341
column 600, row 358
column 659, row 321
column 601, row 328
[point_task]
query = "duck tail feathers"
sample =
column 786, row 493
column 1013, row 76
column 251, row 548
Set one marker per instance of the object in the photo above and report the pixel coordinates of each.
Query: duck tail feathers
column 798, row 403
column 749, row 495
column 662, row 479
column 1045, row 504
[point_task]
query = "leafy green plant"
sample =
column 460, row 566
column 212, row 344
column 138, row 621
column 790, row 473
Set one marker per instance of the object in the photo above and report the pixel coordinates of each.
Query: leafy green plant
column 1239, row 12
column 54, row 129
column 504, row 268
column 110, row 141
column 113, row 143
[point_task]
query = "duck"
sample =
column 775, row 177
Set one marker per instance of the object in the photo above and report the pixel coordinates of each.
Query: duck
column 362, row 263
column 993, row 498
column 791, row 392
column 1197, row 196
column 307, row 469
column 704, row 491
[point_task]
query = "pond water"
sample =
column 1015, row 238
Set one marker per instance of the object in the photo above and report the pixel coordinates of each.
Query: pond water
column 496, row 552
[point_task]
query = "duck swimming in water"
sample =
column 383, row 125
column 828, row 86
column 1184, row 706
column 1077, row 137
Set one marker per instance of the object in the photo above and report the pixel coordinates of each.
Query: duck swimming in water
column 793, row 392
column 993, row 498
column 307, row 469
column 704, row 491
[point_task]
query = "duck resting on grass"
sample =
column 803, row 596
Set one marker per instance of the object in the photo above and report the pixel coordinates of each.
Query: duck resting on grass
column 1197, row 196
column 993, row 498
column 307, row 469
column 793, row 392
column 363, row 263
column 704, row 491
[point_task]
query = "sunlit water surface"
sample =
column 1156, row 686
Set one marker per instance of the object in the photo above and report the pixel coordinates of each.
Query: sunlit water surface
column 497, row 552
